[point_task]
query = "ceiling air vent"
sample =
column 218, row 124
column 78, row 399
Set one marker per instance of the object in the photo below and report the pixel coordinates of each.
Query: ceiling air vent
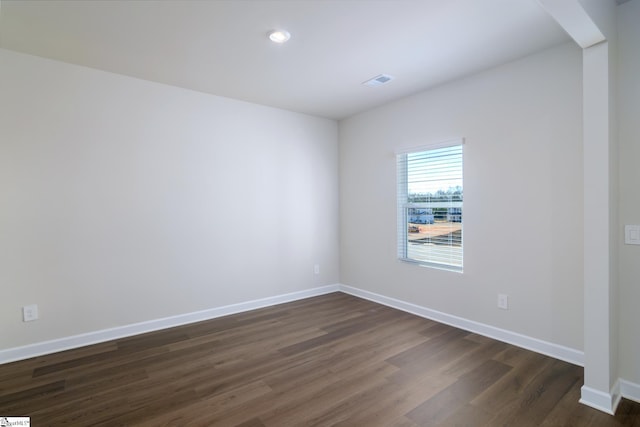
column 378, row 80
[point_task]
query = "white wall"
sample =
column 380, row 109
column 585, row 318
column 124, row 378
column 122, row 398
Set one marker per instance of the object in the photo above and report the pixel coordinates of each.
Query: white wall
column 629, row 202
column 523, row 196
column 124, row 200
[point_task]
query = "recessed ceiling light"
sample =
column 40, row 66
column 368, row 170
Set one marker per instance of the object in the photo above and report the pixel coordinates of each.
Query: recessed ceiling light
column 279, row 36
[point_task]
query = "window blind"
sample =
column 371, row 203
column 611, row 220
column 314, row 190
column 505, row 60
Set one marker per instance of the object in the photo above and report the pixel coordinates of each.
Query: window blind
column 430, row 206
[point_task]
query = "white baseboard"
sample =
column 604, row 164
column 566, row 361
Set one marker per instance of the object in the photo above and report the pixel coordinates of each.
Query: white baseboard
column 557, row 351
column 605, row 402
column 75, row 341
column 630, row 390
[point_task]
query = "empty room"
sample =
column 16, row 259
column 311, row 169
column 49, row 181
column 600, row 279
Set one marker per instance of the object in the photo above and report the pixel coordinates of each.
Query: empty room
column 319, row 213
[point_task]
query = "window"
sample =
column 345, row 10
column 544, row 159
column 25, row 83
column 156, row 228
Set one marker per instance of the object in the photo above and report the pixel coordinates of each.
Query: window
column 430, row 205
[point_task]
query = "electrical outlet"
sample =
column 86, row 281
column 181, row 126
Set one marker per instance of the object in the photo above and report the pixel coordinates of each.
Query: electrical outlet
column 503, row 301
column 316, row 269
column 30, row 313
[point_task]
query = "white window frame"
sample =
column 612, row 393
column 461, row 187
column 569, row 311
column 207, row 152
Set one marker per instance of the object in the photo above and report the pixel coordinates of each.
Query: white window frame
column 455, row 264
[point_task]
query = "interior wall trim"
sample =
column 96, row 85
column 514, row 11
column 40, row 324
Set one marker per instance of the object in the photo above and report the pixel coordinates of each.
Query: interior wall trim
column 630, row 390
column 557, row 351
column 605, row 402
column 81, row 340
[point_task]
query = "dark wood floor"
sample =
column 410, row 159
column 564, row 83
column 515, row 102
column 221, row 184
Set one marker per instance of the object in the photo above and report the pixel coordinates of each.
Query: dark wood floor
column 324, row 361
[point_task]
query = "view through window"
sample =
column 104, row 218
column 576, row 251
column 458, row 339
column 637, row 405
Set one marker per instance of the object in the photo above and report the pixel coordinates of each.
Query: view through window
column 430, row 206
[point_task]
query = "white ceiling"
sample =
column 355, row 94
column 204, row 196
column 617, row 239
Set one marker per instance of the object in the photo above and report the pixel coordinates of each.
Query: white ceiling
column 220, row 46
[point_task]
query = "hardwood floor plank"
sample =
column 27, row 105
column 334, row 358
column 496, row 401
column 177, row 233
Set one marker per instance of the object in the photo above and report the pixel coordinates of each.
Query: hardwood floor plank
column 200, row 412
column 143, row 407
column 509, row 388
column 541, row 395
column 332, row 360
column 97, row 365
column 428, row 348
column 433, row 329
column 628, row 413
column 469, row 360
column 86, row 412
column 363, row 401
column 398, row 401
column 566, row 414
column 31, row 393
column 86, row 360
column 298, row 410
column 435, row 361
column 403, row 422
column 466, row 414
column 289, row 406
column 451, row 399
column 254, row 422
column 343, row 331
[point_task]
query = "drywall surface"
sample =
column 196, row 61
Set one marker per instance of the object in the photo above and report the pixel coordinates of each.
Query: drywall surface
column 600, row 210
column 523, row 196
column 125, row 201
column 629, row 202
